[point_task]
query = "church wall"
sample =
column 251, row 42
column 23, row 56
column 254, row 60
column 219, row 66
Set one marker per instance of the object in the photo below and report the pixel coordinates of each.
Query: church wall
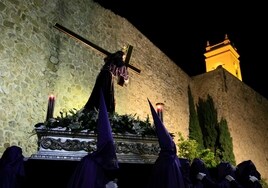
column 246, row 113
column 38, row 60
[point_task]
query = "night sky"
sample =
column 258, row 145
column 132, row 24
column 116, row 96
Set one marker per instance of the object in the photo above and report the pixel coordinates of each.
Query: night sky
column 181, row 31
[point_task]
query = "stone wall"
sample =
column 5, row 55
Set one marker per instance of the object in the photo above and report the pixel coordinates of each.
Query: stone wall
column 38, row 60
column 246, row 113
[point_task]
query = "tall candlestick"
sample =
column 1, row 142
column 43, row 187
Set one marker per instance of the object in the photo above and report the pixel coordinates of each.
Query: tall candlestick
column 50, row 107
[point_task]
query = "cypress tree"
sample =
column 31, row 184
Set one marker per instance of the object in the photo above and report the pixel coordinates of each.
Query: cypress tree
column 195, row 132
column 208, row 133
column 225, row 143
column 207, row 115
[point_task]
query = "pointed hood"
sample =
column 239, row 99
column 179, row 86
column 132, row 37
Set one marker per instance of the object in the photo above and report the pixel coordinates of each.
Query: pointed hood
column 167, row 167
column 106, row 152
column 165, row 140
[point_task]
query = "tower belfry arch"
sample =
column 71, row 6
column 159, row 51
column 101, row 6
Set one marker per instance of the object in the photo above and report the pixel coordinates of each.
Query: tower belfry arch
column 223, row 54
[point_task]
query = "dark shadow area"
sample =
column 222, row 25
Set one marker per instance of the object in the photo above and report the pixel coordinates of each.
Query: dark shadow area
column 56, row 174
column 48, row 173
column 134, row 175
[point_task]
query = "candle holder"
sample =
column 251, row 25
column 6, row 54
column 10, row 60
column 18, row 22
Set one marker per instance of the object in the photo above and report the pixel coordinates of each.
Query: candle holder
column 159, row 110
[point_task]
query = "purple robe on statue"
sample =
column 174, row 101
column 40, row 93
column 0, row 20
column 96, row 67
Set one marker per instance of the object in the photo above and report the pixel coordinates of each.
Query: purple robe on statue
column 167, row 168
column 12, row 172
column 94, row 169
column 114, row 67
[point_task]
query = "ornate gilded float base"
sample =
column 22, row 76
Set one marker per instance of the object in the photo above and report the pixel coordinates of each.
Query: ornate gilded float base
column 57, row 144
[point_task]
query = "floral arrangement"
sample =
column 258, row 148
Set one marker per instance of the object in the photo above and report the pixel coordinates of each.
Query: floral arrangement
column 79, row 120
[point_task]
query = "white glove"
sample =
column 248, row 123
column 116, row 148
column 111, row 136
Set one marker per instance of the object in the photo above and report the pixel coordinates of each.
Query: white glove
column 200, row 176
column 253, row 178
column 229, row 178
column 111, row 184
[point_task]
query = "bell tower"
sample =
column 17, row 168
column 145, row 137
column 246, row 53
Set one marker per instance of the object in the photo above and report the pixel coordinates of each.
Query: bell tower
column 225, row 55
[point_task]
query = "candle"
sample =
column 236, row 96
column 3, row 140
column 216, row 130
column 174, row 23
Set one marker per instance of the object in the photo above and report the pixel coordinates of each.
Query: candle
column 159, row 109
column 50, row 106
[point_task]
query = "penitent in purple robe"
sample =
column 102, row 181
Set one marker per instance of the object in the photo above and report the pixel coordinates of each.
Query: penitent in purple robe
column 167, row 168
column 248, row 175
column 93, row 169
column 12, row 172
column 225, row 169
column 198, row 166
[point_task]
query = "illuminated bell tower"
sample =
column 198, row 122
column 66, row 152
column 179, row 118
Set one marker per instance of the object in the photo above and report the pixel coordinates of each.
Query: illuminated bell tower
column 225, row 55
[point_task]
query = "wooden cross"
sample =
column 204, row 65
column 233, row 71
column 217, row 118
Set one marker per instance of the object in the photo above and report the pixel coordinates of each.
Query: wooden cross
column 96, row 47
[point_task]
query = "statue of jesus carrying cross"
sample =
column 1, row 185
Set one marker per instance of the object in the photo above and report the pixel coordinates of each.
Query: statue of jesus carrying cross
column 115, row 67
